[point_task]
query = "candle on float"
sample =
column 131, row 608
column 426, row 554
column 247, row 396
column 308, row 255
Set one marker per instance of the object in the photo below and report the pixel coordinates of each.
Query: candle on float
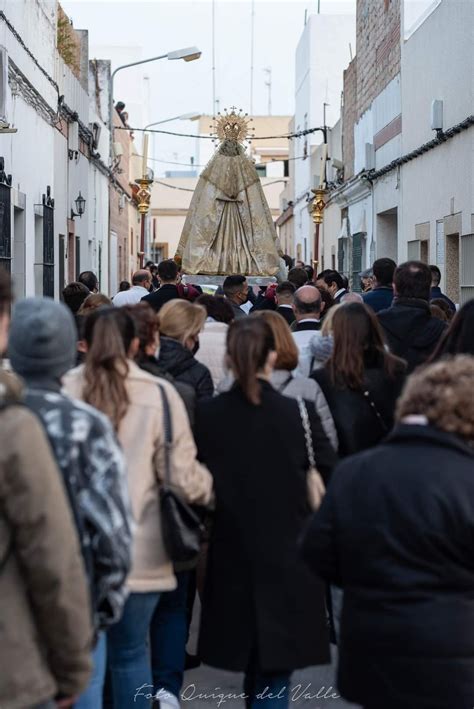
column 145, row 154
column 324, row 157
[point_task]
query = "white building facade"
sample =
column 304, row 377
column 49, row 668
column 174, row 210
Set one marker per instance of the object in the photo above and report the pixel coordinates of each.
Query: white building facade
column 323, row 53
column 437, row 186
column 53, row 157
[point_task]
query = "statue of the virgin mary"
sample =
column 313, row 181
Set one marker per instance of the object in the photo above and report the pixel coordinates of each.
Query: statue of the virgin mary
column 229, row 228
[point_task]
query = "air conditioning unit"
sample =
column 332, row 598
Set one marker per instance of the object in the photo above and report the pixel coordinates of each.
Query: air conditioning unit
column 73, row 137
column 96, row 130
column 369, row 156
column 437, row 115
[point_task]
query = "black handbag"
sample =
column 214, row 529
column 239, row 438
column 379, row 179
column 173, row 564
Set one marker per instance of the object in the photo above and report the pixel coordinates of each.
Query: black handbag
column 181, row 527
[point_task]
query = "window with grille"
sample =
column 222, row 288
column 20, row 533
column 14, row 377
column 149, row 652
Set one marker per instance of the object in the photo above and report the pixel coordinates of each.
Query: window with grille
column 5, row 219
column 48, row 244
column 358, row 243
column 467, row 268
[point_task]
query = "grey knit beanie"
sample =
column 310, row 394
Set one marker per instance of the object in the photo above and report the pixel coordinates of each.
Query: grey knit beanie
column 42, row 340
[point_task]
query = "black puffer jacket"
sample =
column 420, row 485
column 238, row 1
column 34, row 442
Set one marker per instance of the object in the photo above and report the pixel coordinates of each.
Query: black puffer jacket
column 178, row 361
column 411, row 331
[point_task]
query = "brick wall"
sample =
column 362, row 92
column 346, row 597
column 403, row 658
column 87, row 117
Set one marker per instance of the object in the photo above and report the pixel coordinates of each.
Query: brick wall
column 377, row 62
column 378, row 48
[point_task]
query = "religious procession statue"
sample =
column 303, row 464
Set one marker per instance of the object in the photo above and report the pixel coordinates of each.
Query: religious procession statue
column 229, row 228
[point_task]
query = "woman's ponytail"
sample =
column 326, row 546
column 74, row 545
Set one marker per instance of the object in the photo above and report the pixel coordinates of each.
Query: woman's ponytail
column 249, row 342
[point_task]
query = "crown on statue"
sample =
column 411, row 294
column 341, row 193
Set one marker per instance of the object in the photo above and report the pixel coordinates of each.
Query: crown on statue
column 232, row 125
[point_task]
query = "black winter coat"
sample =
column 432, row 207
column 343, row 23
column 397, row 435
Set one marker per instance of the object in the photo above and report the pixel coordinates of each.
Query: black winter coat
column 357, row 423
column 259, row 596
column 411, row 331
column 396, row 531
column 180, row 362
column 163, row 295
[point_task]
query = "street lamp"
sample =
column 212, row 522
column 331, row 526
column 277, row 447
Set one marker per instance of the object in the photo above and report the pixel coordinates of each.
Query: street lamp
column 183, row 117
column 189, row 54
column 80, row 203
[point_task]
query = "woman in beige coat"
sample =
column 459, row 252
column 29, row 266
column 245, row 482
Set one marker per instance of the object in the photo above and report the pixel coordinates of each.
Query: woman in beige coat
column 114, row 384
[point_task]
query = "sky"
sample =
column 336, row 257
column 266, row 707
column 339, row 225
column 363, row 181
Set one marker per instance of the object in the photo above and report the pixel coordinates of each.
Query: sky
column 175, row 88
column 155, row 27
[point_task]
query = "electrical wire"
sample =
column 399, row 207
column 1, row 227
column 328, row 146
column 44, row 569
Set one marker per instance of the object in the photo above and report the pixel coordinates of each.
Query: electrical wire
column 28, row 51
column 287, row 136
column 189, row 189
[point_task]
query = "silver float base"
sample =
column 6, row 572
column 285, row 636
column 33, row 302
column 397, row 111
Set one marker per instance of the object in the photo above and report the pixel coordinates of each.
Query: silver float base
column 219, row 280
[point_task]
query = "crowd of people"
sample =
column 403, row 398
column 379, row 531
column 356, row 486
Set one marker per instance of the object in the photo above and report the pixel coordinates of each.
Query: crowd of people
column 300, row 457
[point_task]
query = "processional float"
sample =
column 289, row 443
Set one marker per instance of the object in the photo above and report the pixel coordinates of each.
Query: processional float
column 229, row 228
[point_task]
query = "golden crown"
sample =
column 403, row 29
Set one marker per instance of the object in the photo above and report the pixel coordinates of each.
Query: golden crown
column 232, row 125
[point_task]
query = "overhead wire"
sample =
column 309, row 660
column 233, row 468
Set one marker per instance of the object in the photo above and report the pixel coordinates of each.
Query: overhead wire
column 288, row 136
column 189, row 189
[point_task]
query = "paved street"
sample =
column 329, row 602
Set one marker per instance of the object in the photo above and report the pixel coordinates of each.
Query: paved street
column 312, row 688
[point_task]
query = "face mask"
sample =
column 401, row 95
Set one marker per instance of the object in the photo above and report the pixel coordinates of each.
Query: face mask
column 196, row 347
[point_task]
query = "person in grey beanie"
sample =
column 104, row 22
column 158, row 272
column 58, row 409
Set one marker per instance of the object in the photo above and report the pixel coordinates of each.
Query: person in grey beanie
column 42, row 348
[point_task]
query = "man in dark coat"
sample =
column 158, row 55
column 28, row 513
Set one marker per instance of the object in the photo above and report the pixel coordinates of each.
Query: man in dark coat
column 258, row 595
column 334, row 283
column 381, row 295
column 285, row 297
column 411, row 331
column 436, row 290
column 168, row 290
column 395, row 530
column 236, row 291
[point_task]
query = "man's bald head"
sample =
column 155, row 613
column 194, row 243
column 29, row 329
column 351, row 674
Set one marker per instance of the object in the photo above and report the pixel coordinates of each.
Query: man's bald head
column 142, row 278
column 307, row 303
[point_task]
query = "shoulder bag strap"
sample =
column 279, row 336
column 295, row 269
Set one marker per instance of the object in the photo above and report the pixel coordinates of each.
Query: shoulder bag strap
column 373, row 406
column 307, row 432
column 284, row 384
column 168, row 428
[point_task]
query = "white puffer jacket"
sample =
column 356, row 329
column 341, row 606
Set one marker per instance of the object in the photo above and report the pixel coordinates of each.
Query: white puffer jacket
column 212, row 349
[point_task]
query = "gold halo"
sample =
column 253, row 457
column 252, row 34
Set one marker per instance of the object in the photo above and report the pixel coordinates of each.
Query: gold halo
column 232, row 125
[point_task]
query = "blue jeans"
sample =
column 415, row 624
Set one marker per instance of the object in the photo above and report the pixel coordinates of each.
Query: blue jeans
column 127, row 652
column 266, row 691
column 92, row 697
column 168, row 637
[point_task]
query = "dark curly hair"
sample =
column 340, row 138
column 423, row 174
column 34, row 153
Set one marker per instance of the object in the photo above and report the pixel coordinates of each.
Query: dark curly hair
column 217, row 307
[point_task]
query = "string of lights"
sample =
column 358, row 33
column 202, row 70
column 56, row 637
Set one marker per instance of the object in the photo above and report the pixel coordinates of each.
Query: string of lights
column 284, row 136
column 188, row 189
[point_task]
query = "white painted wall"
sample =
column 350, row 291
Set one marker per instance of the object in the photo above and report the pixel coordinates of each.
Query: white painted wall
column 37, row 155
column 29, row 154
column 321, row 57
column 440, row 182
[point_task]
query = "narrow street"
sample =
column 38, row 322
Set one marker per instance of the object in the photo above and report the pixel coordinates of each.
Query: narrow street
column 312, row 688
